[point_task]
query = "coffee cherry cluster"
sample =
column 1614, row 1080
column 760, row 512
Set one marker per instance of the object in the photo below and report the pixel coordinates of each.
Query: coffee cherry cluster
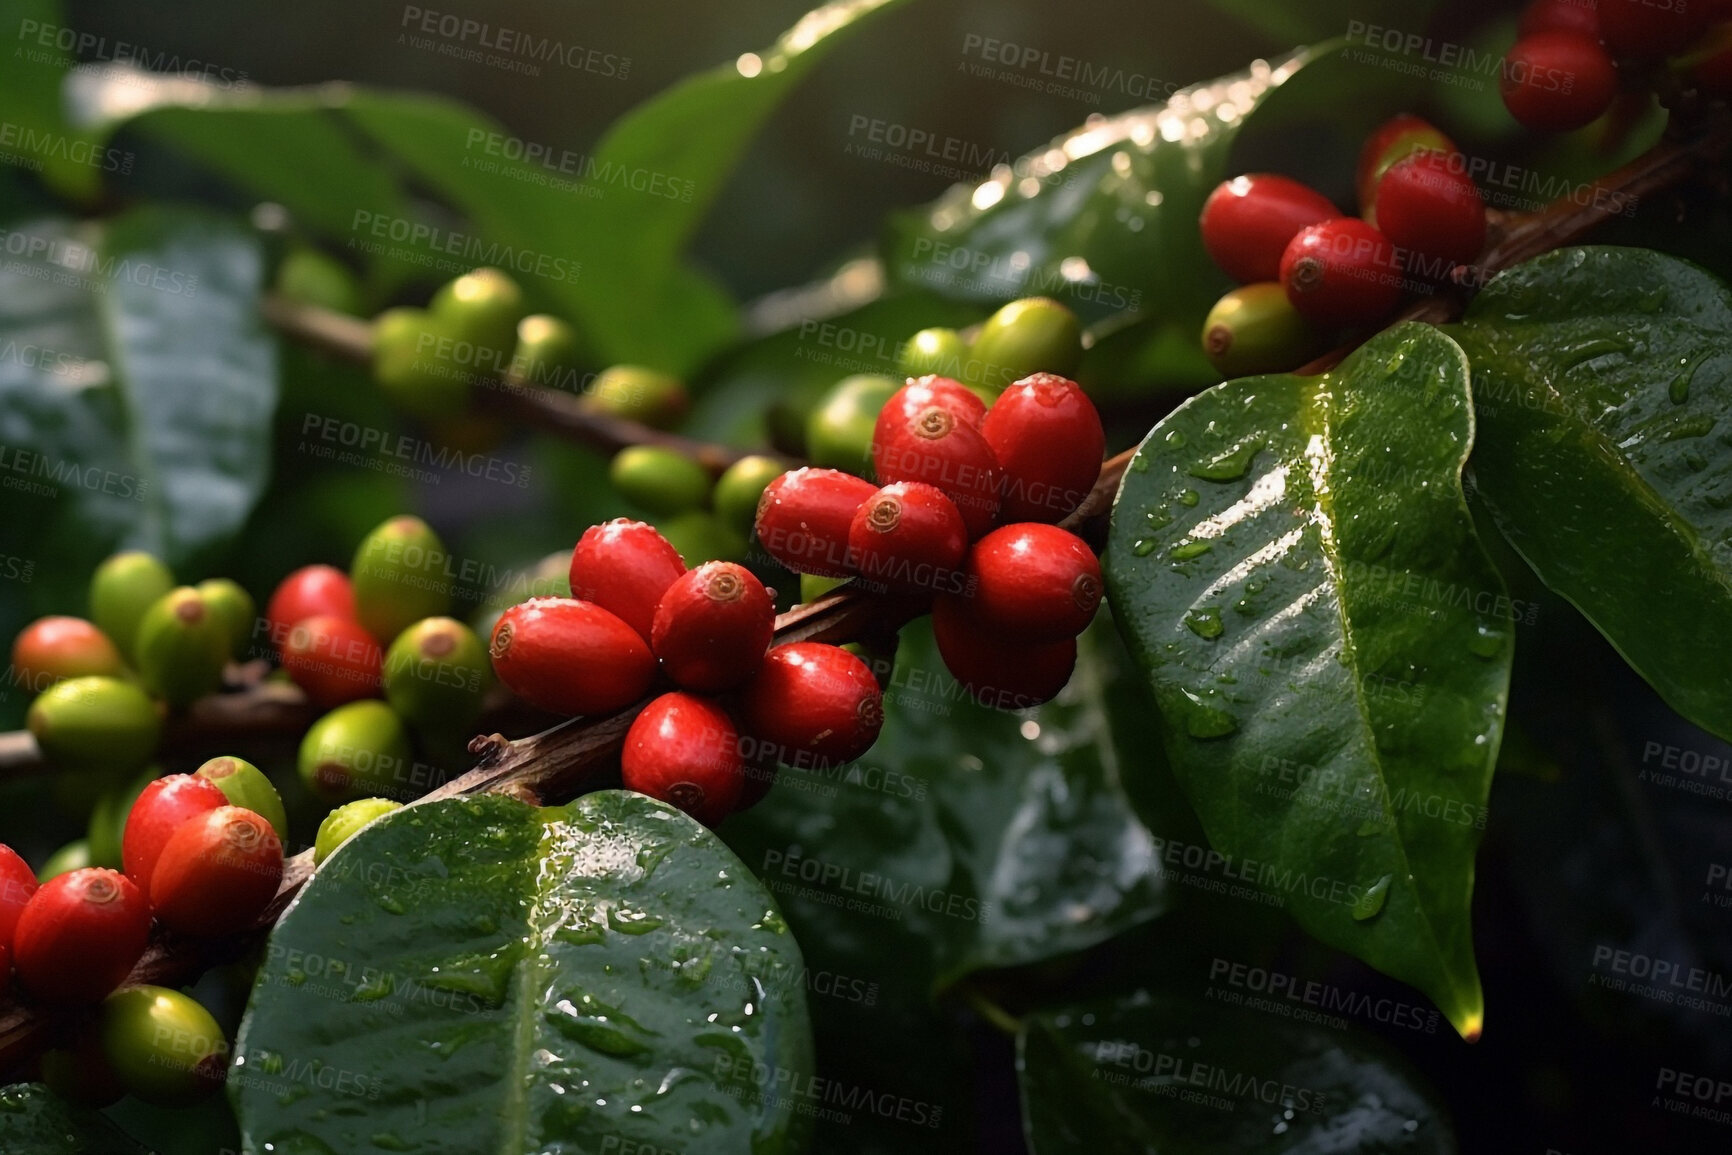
column 731, row 707
column 1008, row 601
column 1310, row 274
column 706, row 519
column 1570, row 56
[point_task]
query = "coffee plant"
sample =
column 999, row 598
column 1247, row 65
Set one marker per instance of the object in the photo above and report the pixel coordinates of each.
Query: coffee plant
column 1052, row 684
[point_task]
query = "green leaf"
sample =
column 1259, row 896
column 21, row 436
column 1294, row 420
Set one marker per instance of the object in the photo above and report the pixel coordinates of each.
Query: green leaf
column 33, row 1121
column 1293, row 563
column 1602, row 379
column 480, row 975
column 35, row 134
column 1290, row 24
column 1150, row 1074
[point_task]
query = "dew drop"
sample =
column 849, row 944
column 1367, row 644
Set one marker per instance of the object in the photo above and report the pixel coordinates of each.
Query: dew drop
column 1190, row 549
column 1144, row 547
column 1188, row 497
column 1176, row 438
column 1205, row 623
column 1370, row 904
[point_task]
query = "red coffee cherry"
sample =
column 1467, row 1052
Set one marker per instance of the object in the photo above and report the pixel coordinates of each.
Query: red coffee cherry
column 570, row 657
column 159, row 811
column 625, row 567
column 1396, row 139
column 1047, row 438
column 307, row 593
column 816, row 699
column 713, row 626
column 1001, row 674
column 17, row 884
column 921, row 394
column 1581, row 17
column 80, row 935
column 1428, row 204
column 1248, row 221
column 217, row 873
column 1341, row 272
column 1649, row 29
column 1033, row 583
column 52, row 649
column 937, row 448
column 908, row 537
column 335, row 660
column 684, row 750
column 803, row 519
column 1557, row 81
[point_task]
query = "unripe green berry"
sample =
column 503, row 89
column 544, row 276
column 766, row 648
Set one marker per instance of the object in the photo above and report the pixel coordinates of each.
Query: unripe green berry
column 107, row 827
column 436, row 674
column 839, row 431
column 355, row 750
column 245, row 785
column 482, row 308
column 635, row 393
column 346, row 821
column 738, row 489
column 95, row 723
column 814, row 586
column 1033, row 335
column 940, row 351
column 75, row 855
column 408, row 369
column 548, row 353
column 661, row 481
column 700, row 537
column 1255, row 329
column 309, row 277
column 163, row 1046
column 121, row 590
column 182, row 647
column 234, row 606
column 399, row 577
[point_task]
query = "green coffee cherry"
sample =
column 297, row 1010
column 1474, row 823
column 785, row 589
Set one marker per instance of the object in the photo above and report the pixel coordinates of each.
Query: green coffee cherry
column 639, row 394
column 436, row 674
column 839, row 431
column 75, row 855
column 1033, row 335
column 481, row 308
column 355, row 750
column 108, row 818
column 940, row 351
column 399, row 577
column 95, row 723
column 737, row 491
column 415, row 364
column 785, row 425
column 246, row 786
column 121, row 590
column 162, row 1045
column 548, row 354
column 814, row 586
column 182, row 647
column 235, row 607
column 700, row 537
column 661, row 481
column 346, row 821
column 1255, row 329
column 309, row 277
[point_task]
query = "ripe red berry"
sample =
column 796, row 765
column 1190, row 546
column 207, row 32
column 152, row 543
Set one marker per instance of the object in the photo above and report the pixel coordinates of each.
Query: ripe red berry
column 803, row 519
column 1033, row 583
column 921, row 394
column 80, row 935
column 570, row 657
column 1047, row 438
column 335, row 660
column 1341, row 272
column 908, row 537
column 1396, row 139
column 1581, row 17
column 1001, row 674
column 309, row 592
column 1557, row 81
column 217, row 873
column 1648, row 29
column 684, row 750
column 937, row 448
column 1247, row 222
column 52, row 649
column 17, row 884
column 159, row 811
column 1427, row 204
column 813, row 699
column 625, row 567
column 713, row 626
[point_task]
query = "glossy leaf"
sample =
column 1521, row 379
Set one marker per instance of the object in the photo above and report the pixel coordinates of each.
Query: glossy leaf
column 1602, row 380
column 35, row 135
column 1149, row 1075
column 480, row 975
column 1293, row 563
column 34, row 1121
